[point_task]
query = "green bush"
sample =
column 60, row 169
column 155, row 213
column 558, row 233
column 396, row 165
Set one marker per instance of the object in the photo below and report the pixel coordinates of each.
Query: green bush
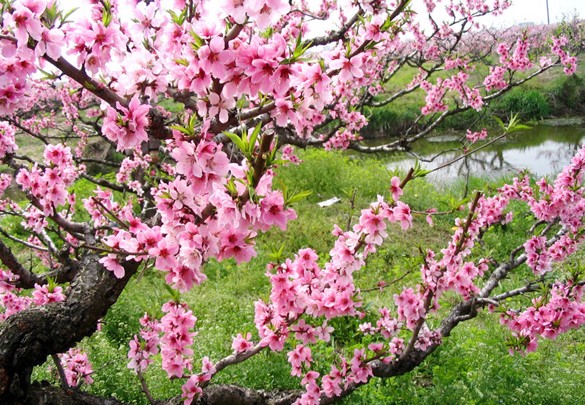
column 468, row 119
column 389, row 120
column 528, row 104
column 567, row 95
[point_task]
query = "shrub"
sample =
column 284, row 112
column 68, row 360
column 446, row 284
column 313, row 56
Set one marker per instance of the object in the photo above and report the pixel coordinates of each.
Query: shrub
column 529, row 105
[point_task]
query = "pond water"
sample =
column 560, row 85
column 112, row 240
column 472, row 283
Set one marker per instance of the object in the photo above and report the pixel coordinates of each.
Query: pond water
column 542, row 150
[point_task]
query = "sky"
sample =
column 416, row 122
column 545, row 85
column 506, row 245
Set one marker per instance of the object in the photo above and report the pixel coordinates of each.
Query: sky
column 534, row 11
column 521, row 11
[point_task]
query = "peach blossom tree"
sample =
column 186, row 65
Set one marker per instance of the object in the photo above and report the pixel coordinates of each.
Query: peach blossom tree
column 205, row 101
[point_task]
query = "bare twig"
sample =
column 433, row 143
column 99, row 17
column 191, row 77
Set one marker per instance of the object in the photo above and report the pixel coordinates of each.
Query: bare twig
column 60, row 371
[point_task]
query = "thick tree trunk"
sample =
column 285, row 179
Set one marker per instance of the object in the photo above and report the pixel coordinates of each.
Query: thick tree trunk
column 28, row 337
column 213, row 395
column 235, row 395
column 51, row 395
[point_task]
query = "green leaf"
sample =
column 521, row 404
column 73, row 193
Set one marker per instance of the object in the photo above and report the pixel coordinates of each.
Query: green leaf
column 518, row 128
column 277, row 162
column 64, row 17
column 178, row 19
column 231, row 187
column 348, row 49
column 387, row 24
column 500, row 123
column 254, row 137
column 267, row 33
column 198, row 42
column 371, row 45
column 271, row 156
column 523, row 127
column 48, row 75
column 418, row 171
column 276, row 255
column 182, row 61
column 89, row 86
column 237, row 141
column 50, row 15
column 455, row 203
column 181, row 129
column 298, row 197
column 52, row 284
column 106, row 16
column 513, row 126
column 421, row 173
column 175, row 295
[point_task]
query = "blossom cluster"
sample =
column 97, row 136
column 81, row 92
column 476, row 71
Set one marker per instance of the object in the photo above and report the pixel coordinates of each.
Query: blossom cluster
column 7, row 143
column 10, row 299
column 180, row 245
column 49, row 183
column 476, row 136
column 145, row 346
column 570, row 62
column 517, row 60
column 126, row 126
column 76, row 367
column 562, row 311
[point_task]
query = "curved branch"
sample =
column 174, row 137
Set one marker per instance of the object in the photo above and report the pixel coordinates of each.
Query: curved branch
column 97, row 88
column 334, row 36
column 105, row 183
column 26, row 279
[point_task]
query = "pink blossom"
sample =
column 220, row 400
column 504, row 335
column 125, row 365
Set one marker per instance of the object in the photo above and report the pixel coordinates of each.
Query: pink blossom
column 476, row 136
column 235, row 9
column 349, row 68
column 127, row 126
column 241, row 344
column 46, row 294
column 395, row 188
column 111, row 263
column 360, row 372
column 77, row 367
column 301, row 355
column 214, row 58
column 191, row 390
column 538, row 258
column 273, row 212
column 266, row 12
column 7, row 140
column 216, row 105
column 51, row 43
column 26, row 23
column 401, row 213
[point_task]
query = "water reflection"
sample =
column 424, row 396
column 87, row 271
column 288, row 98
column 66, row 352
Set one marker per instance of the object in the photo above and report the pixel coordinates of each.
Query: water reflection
column 543, row 150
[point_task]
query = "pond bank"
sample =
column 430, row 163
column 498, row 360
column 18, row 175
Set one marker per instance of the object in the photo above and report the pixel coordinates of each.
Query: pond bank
column 542, row 150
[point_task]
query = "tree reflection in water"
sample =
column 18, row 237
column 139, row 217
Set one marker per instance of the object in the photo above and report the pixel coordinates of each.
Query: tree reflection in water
column 543, row 150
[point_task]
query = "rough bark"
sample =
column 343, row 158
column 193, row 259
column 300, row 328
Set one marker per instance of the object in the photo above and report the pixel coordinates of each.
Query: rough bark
column 235, row 395
column 228, row 394
column 51, row 395
column 28, row 337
